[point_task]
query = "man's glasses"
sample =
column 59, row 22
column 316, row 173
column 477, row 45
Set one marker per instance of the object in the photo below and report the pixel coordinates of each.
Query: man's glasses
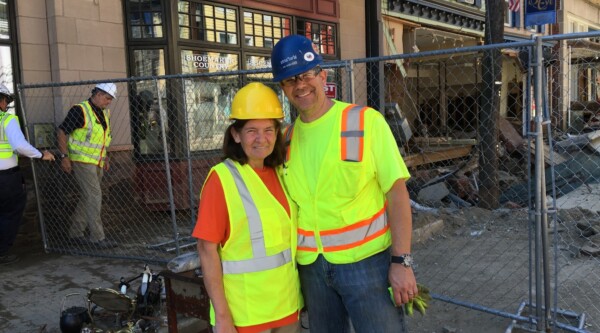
column 311, row 74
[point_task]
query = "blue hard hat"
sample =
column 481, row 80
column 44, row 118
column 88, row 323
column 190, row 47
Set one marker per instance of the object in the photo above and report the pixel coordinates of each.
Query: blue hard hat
column 293, row 55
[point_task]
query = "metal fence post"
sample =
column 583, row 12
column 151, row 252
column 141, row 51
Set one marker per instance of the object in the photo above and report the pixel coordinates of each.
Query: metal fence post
column 163, row 130
column 350, row 67
column 188, row 154
column 541, row 237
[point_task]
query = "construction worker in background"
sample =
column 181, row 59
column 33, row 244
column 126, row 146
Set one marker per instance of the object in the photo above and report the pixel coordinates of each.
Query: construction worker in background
column 345, row 173
column 246, row 226
column 13, row 193
column 83, row 139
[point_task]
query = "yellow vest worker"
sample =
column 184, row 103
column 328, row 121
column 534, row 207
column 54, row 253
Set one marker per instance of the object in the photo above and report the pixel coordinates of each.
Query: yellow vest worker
column 258, row 252
column 246, row 225
column 6, row 150
column 13, row 192
column 343, row 207
column 89, row 143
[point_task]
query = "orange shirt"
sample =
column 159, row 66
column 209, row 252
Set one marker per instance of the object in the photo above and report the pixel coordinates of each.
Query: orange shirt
column 213, row 225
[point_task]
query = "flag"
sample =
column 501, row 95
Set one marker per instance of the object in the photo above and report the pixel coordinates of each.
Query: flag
column 514, row 5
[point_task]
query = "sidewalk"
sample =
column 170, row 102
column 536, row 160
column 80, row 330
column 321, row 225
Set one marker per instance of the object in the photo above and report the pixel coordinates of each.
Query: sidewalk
column 33, row 289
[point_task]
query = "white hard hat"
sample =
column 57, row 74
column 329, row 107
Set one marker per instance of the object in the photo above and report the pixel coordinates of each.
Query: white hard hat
column 4, row 91
column 109, row 88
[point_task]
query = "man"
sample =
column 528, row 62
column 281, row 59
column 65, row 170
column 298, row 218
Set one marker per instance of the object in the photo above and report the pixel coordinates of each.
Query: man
column 83, row 139
column 345, row 172
column 13, row 194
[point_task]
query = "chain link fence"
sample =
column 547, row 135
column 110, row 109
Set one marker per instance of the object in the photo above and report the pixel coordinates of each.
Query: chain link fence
column 491, row 241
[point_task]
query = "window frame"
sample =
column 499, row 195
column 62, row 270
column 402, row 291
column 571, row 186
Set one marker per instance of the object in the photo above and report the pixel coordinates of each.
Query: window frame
column 283, row 30
column 334, row 37
column 129, row 26
column 206, row 42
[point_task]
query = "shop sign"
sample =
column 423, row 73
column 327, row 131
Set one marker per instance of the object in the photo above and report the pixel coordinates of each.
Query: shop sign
column 330, row 90
column 205, row 61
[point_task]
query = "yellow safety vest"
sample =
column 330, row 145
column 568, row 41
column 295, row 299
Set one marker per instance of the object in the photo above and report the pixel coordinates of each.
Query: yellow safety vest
column 6, row 151
column 345, row 219
column 89, row 143
column 260, row 277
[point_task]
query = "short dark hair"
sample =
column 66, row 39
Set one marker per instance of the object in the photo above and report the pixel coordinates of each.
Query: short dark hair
column 234, row 151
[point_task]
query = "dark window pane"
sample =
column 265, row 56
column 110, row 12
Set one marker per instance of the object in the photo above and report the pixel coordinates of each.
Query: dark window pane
column 145, row 18
column 322, row 34
column 4, row 28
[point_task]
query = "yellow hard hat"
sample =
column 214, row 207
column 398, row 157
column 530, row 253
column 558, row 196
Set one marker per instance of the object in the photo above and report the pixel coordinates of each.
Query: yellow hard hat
column 256, row 101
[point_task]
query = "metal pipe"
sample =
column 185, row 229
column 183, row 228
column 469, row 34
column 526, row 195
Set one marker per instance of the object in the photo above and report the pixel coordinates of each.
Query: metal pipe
column 540, row 110
column 163, row 131
column 188, row 155
column 553, row 210
column 351, row 73
column 529, row 135
column 506, row 314
column 33, row 172
column 539, row 174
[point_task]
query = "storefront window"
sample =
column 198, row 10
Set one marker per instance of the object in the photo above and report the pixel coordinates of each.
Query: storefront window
column 145, row 112
column 258, row 62
column 145, row 19
column 261, row 30
column 207, row 100
column 211, row 38
column 6, row 47
column 148, row 62
column 6, row 70
column 322, row 34
column 4, row 29
column 207, row 22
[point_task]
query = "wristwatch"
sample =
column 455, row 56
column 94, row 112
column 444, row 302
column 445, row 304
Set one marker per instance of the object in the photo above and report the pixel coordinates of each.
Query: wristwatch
column 405, row 260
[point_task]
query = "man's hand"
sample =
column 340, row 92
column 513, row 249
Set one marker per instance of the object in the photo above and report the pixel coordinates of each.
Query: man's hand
column 47, row 156
column 65, row 164
column 403, row 282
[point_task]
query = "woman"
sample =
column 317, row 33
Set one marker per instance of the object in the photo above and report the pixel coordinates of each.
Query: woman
column 246, row 225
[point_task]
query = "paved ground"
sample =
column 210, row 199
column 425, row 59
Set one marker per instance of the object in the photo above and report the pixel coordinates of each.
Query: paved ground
column 478, row 256
column 34, row 289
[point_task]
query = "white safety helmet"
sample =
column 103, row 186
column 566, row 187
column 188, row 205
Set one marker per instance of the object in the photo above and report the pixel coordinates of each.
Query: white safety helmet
column 5, row 92
column 109, row 88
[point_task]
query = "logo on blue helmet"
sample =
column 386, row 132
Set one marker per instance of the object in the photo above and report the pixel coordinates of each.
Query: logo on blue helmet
column 309, row 56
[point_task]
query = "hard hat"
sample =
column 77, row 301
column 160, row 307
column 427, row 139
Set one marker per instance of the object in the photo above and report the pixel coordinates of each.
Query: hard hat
column 5, row 92
column 293, row 55
column 109, row 88
column 256, row 101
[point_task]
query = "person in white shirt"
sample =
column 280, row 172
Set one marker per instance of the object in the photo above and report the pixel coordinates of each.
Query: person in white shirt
column 13, row 194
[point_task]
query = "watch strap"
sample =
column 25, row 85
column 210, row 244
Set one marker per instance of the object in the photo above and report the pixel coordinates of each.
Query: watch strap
column 397, row 259
column 403, row 259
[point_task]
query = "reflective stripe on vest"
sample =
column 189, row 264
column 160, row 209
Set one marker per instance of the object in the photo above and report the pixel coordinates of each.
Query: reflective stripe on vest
column 347, row 237
column 82, row 148
column 260, row 260
column 351, row 136
column 6, row 150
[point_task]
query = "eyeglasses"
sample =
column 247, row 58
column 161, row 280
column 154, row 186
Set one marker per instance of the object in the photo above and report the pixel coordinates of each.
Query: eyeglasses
column 307, row 76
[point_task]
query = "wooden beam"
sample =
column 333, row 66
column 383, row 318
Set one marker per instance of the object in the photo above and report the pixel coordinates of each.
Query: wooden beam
column 436, row 156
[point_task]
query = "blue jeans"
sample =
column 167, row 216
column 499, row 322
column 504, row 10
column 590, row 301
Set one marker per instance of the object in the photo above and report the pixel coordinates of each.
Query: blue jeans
column 334, row 292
